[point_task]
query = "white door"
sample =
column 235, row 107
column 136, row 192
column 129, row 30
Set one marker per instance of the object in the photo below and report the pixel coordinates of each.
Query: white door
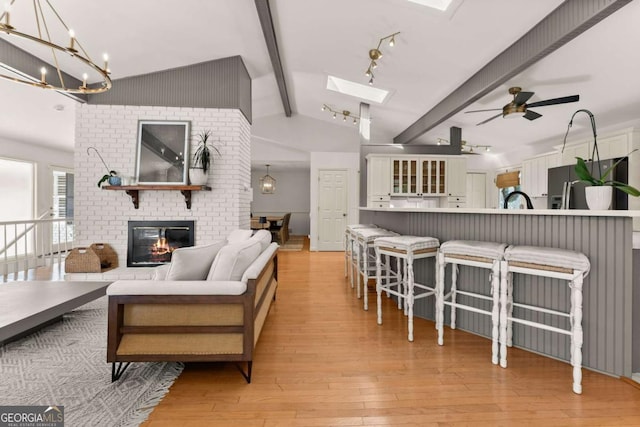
column 476, row 190
column 332, row 209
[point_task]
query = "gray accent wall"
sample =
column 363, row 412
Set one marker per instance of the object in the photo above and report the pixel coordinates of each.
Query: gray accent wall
column 222, row 83
column 636, row 312
column 606, row 241
column 292, row 195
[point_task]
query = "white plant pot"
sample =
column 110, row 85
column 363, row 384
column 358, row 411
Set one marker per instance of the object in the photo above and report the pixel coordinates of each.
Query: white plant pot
column 198, row 176
column 598, row 197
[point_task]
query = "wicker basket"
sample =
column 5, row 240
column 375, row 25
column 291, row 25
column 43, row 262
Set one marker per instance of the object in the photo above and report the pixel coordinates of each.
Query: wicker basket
column 82, row 260
column 108, row 257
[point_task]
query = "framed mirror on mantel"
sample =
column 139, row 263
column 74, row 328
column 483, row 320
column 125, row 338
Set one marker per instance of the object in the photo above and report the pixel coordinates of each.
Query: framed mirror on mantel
column 162, row 149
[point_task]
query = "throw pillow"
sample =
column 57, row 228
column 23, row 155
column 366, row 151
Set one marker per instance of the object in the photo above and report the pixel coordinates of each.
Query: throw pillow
column 193, row 263
column 233, row 260
column 264, row 237
column 238, row 236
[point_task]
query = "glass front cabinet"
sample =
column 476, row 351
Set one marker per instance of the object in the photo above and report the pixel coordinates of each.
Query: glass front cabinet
column 419, row 176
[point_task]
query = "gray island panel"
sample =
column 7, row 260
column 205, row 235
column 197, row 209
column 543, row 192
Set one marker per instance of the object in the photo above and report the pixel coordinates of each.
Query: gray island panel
column 605, row 239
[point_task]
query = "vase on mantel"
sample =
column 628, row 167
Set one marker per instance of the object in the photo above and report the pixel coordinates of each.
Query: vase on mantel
column 598, row 197
column 197, row 176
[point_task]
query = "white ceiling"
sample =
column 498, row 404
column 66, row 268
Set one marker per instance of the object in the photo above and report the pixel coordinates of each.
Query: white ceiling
column 434, row 54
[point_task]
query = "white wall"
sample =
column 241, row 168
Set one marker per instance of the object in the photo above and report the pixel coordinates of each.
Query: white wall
column 334, row 160
column 44, row 158
column 292, row 195
column 102, row 215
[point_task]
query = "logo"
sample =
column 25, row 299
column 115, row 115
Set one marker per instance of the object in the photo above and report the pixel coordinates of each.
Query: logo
column 31, row 416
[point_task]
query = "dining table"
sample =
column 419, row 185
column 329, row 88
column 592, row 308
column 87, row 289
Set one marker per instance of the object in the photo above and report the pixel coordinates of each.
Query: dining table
column 270, row 220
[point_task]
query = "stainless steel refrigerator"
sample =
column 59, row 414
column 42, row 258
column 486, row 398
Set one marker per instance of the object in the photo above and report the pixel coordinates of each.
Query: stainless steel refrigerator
column 564, row 187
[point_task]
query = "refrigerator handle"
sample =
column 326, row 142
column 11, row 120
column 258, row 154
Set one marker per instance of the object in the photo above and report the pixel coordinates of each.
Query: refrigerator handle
column 565, row 198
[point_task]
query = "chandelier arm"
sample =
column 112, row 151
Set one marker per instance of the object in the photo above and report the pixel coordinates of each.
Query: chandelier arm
column 107, row 80
column 53, row 50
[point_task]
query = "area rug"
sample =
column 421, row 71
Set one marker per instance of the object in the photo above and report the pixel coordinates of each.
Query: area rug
column 65, row 364
column 295, row 243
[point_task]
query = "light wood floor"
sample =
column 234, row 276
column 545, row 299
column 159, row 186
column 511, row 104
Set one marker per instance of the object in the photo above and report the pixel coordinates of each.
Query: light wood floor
column 323, row 361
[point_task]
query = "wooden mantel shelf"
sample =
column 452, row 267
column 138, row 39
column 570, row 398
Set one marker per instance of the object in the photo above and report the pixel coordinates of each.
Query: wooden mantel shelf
column 132, row 190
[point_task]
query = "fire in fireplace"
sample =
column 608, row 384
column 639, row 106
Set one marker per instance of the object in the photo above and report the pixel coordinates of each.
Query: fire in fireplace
column 151, row 243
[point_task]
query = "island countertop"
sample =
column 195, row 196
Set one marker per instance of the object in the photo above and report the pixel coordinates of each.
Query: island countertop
column 556, row 212
column 611, row 341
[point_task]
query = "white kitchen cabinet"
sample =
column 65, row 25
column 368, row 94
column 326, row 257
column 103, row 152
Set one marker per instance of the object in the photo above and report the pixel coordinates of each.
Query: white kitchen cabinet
column 613, row 146
column 378, row 176
column 535, row 174
column 418, row 176
column 456, row 177
column 579, row 150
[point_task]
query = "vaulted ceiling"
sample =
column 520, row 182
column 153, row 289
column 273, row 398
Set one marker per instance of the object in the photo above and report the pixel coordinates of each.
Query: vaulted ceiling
column 434, row 54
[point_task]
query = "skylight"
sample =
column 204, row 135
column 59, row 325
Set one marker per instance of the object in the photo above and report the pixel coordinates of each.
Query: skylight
column 358, row 90
column 441, row 5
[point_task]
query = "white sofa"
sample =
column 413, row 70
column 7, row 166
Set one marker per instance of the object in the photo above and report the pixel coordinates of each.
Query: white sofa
column 209, row 304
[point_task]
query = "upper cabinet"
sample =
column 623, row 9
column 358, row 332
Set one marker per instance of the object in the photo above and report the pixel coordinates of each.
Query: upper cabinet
column 609, row 147
column 379, row 176
column 457, row 177
column 535, row 173
column 418, row 176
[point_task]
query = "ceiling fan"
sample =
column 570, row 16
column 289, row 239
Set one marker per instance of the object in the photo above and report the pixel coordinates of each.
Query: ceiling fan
column 519, row 107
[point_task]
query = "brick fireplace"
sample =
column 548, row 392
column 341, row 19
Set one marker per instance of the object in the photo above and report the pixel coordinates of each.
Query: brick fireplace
column 103, row 216
column 151, row 243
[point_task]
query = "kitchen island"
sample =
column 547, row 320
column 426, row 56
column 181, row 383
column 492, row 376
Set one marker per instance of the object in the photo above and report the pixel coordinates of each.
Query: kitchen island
column 611, row 344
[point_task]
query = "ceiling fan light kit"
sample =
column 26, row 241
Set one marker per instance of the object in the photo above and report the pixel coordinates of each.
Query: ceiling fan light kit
column 71, row 47
column 375, row 54
column 518, row 107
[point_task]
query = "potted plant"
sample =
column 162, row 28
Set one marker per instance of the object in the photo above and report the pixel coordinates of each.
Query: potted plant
column 111, row 176
column 598, row 193
column 202, row 159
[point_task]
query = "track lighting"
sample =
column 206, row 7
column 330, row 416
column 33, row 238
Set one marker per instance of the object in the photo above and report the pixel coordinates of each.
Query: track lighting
column 375, row 55
column 465, row 147
column 346, row 114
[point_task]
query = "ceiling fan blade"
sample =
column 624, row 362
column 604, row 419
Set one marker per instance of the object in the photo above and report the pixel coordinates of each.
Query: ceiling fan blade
column 489, row 119
column 480, row 111
column 522, row 97
column 531, row 115
column 554, row 101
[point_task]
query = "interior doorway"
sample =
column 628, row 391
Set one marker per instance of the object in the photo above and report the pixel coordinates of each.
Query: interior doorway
column 332, row 209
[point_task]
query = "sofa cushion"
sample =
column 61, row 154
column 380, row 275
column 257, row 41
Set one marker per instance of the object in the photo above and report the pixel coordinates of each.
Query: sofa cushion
column 190, row 287
column 160, row 272
column 193, row 263
column 233, row 259
column 264, row 237
column 239, row 236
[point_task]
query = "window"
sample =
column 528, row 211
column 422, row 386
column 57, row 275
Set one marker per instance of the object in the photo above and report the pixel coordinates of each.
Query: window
column 62, row 205
column 16, row 190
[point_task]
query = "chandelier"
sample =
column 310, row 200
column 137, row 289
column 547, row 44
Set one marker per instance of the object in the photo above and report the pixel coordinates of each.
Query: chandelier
column 48, row 22
column 375, row 55
column 346, row 114
column 267, row 183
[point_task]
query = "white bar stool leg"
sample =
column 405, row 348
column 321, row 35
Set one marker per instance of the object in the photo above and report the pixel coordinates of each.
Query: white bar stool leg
column 454, row 286
column 410, row 293
column 440, row 299
column 576, row 333
column 495, row 312
column 379, row 286
column 503, row 313
column 510, row 310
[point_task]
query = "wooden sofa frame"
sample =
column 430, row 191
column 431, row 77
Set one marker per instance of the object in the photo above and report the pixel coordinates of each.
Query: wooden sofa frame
column 255, row 303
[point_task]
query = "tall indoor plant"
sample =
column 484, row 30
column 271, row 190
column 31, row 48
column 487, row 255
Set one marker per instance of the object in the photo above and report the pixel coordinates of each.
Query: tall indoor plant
column 202, row 159
column 599, row 191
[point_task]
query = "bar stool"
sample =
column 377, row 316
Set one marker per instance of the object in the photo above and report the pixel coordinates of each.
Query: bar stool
column 475, row 254
column 407, row 248
column 546, row 262
column 349, row 239
column 365, row 258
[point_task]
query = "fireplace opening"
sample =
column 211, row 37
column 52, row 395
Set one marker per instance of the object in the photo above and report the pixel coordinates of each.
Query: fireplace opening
column 151, row 243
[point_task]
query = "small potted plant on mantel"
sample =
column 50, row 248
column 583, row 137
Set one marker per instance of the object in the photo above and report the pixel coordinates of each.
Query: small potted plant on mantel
column 202, row 159
column 111, row 177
